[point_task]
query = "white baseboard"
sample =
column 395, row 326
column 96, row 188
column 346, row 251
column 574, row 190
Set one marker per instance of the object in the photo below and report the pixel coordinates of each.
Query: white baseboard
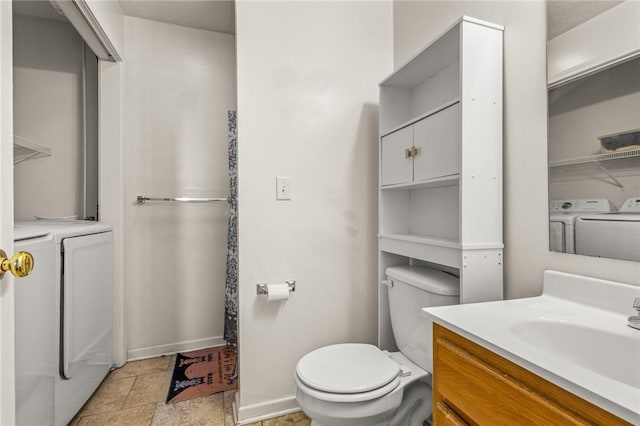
column 172, row 348
column 267, row 410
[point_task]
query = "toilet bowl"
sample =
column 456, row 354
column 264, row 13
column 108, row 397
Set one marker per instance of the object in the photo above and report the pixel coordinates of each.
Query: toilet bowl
column 354, row 384
column 342, row 400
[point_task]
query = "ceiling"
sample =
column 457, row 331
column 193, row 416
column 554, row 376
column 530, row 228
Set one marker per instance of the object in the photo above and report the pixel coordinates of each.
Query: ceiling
column 219, row 15
column 212, row 15
column 562, row 15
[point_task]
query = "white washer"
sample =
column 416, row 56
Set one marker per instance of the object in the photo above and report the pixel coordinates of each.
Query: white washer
column 614, row 235
column 83, row 294
column 562, row 217
column 35, row 329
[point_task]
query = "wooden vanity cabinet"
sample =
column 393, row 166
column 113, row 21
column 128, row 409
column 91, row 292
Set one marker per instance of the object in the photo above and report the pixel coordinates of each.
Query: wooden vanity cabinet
column 474, row 386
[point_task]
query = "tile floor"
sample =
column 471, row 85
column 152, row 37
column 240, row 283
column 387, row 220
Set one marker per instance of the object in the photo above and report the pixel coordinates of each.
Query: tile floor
column 134, row 396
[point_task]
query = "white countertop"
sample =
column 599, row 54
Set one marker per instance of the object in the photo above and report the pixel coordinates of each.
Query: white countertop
column 581, row 343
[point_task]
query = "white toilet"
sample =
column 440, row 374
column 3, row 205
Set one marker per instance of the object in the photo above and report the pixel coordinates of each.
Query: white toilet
column 361, row 385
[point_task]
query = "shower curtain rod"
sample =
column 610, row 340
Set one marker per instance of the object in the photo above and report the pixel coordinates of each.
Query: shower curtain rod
column 142, row 199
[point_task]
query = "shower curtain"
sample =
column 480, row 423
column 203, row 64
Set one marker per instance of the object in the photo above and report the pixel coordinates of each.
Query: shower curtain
column 231, row 283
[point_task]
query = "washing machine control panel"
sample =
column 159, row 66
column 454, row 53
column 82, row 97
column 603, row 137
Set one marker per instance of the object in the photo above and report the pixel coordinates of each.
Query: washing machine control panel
column 596, row 205
column 632, row 205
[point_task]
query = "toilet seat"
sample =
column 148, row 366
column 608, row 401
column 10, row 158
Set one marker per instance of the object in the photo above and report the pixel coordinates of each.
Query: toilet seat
column 348, row 372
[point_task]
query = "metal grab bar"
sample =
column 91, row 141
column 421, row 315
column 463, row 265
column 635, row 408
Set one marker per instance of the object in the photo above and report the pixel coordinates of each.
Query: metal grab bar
column 142, row 199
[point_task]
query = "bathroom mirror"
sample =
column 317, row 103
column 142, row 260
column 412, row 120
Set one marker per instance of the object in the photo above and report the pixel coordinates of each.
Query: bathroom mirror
column 593, row 129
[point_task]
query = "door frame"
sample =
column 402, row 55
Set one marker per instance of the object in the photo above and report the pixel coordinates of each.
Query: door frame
column 101, row 24
column 111, row 192
column 111, row 188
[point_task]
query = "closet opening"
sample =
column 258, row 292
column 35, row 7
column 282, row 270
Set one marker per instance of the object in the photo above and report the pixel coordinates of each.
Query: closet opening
column 55, row 117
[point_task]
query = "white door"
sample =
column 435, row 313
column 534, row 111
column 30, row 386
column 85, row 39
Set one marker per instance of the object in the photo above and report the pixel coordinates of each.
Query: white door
column 7, row 328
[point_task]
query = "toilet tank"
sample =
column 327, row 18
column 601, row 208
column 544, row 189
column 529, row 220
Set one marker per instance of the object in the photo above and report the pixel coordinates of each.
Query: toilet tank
column 412, row 288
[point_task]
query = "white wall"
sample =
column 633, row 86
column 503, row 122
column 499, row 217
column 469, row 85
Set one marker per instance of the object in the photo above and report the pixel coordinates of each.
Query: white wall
column 307, row 109
column 178, row 85
column 525, row 139
column 48, row 110
column 602, row 104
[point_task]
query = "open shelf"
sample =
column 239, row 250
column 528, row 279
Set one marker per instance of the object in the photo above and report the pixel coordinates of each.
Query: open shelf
column 610, row 166
column 595, row 158
column 429, row 183
column 444, row 251
column 424, row 239
column 24, row 149
column 432, row 111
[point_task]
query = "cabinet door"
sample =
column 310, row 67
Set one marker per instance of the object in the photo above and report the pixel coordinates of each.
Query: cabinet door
column 437, row 139
column 396, row 166
column 485, row 389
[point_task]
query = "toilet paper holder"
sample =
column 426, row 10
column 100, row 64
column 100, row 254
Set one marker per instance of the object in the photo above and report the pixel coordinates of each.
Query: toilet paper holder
column 262, row 287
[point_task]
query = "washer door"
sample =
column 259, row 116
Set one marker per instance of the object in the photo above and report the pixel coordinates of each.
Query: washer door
column 87, row 311
column 617, row 238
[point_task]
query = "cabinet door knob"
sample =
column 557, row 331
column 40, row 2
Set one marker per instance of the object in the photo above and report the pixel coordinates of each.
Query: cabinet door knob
column 410, row 152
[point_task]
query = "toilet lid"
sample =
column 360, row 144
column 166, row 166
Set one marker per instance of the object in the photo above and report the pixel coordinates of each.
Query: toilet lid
column 347, row 368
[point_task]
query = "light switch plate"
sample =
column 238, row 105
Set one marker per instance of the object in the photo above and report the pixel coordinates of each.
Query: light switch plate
column 283, row 188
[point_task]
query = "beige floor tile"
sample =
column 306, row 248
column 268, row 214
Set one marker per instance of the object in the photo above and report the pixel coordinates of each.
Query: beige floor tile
column 136, row 416
column 145, row 366
column 297, row 419
column 205, row 411
column 255, row 424
column 149, row 388
column 228, row 407
column 110, row 396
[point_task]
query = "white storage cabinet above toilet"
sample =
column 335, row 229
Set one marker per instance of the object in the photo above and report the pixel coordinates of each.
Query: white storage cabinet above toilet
column 440, row 196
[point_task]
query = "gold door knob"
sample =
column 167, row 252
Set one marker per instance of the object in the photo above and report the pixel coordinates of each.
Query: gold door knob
column 20, row 265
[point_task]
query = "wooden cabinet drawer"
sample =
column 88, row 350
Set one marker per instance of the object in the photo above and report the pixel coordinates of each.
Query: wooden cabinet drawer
column 445, row 416
column 483, row 388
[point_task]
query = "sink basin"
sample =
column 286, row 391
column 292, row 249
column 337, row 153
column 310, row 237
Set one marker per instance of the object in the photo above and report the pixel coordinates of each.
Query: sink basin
column 616, row 356
column 574, row 335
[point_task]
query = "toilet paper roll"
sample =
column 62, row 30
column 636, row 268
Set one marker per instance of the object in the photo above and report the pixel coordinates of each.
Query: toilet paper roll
column 277, row 292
